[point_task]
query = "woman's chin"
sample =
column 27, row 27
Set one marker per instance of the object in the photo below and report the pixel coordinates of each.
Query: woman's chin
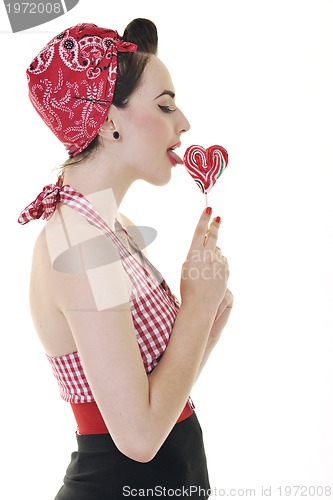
column 160, row 180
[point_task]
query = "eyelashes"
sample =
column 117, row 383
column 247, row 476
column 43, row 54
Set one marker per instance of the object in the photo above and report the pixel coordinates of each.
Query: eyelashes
column 166, row 109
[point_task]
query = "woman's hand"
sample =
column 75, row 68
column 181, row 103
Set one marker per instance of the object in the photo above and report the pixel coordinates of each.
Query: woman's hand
column 205, row 272
column 205, row 276
column 220, row 321
column 222, row 316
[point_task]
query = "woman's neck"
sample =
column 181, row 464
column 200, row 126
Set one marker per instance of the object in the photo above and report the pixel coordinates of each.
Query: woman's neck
column 102, row 184
column 105, row 204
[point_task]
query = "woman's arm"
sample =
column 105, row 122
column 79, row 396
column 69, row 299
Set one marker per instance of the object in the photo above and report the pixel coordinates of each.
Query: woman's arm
column 140, row 410
column 222, row 314
column 220, row 321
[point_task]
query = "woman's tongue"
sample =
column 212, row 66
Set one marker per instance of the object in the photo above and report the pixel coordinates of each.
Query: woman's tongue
column 174, row 158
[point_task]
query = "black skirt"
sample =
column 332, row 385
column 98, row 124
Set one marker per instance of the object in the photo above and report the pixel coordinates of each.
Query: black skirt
column 99, row 471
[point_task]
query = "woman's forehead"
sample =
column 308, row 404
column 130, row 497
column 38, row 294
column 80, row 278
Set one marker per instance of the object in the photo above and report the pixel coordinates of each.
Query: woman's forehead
column 156, row 77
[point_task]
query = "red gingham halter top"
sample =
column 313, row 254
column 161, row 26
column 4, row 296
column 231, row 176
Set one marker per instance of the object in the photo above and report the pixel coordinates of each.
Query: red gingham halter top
column 153, row 305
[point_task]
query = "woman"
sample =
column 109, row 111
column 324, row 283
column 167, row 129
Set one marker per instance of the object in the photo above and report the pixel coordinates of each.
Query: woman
column 125, row 352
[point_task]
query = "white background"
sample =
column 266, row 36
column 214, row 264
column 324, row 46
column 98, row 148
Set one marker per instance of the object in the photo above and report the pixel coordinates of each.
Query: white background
column 255, row 76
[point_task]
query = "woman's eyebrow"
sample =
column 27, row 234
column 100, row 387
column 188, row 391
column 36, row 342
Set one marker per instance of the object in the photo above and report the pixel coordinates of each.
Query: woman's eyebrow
column 166, row 92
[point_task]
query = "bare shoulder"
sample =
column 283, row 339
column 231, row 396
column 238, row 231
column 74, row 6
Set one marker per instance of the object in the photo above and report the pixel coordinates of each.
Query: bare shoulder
column 76, row 270
column 50, row 325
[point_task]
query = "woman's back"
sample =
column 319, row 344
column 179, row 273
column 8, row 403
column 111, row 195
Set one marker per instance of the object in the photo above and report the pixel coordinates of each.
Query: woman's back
column 50, row 322
column 52, row 273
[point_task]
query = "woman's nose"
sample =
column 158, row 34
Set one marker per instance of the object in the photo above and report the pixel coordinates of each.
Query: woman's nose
column 183, row 123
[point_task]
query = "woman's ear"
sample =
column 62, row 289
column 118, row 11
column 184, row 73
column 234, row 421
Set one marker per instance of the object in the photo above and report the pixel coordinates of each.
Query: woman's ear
column 108, row 127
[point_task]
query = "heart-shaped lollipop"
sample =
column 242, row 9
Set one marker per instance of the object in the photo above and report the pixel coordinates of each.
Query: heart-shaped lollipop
column 205, row 165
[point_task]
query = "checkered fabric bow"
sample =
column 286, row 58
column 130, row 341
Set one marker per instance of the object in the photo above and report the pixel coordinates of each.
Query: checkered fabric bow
column 46, row 202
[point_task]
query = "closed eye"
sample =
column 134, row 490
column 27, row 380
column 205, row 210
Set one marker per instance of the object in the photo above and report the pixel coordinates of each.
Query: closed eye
column 166, row 109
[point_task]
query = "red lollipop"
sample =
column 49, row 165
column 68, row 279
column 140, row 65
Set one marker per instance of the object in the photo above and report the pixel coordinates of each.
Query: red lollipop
column 205, row 165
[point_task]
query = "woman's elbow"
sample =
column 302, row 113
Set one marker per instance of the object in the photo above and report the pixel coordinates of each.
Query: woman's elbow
column 138, row 450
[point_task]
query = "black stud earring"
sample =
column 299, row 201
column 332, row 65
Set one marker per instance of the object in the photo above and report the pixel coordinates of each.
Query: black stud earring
column 116, row 134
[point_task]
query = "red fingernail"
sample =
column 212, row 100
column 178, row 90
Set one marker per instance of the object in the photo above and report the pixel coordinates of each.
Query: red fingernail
column 218, row 219
column 208, row 210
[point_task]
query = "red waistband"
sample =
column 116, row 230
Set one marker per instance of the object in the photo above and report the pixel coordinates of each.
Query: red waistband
column 90, row 421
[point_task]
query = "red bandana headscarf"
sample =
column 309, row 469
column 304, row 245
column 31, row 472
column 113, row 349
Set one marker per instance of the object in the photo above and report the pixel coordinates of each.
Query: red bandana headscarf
column 72, row 82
